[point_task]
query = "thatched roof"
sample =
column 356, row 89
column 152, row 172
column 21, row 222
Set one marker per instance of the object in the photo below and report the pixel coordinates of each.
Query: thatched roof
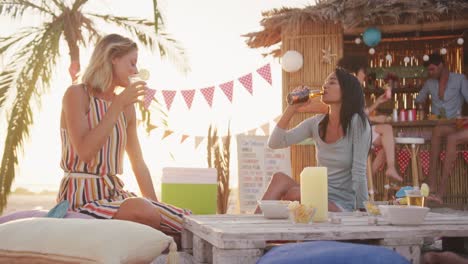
column 355, row 13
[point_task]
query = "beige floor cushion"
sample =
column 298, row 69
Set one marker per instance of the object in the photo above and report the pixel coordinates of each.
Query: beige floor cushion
column 52, row 240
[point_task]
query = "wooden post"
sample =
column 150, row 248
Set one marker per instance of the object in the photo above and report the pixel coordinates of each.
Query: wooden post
column 414, row 165
column 309, row 39
column 370, row 182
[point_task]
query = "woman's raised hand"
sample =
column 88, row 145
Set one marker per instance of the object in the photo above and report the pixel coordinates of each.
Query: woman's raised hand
column 131, row 94
column 382, row 99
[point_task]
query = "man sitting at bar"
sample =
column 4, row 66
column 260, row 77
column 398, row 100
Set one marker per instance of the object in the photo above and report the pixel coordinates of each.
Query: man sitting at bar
column 448, row 90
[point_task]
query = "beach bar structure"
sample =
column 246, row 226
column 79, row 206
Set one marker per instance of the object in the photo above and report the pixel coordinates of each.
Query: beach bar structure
column 326, row 31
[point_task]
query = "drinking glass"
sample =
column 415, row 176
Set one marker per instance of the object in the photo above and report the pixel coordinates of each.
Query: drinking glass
column 415, row 197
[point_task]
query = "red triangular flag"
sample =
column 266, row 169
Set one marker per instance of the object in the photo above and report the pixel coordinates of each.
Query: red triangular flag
column 425, row 158
column 184, row 137
column 167, row 133
column 208, row 94
column 188, row 97
column 465, row 156
column 442, row 156
column 265, row 72
column 168, row 97
column 149, row 95
column 403, row 160
column 228, row 89
column 246, row 81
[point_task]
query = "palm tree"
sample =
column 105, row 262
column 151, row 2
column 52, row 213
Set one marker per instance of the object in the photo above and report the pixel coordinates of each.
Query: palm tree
column 34, row 53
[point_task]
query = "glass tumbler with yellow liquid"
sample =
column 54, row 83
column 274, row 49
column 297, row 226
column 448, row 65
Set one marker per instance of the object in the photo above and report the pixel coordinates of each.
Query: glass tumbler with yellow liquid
column 142, row 75
column 415, row 197
column 303, row 95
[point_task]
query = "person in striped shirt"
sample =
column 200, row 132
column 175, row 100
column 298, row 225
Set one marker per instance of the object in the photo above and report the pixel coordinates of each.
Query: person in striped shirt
column 97, row 127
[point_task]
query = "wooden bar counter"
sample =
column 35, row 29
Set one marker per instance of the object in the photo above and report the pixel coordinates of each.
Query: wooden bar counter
column 456, row 194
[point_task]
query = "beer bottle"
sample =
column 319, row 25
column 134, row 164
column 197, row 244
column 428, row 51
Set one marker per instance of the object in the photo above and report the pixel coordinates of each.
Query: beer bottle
column 303, row 95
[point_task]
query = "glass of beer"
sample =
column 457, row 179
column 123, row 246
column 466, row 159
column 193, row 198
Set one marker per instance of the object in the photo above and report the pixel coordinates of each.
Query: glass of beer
column 415, row 197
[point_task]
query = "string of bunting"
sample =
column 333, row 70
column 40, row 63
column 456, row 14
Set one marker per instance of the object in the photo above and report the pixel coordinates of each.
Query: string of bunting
column 208, row 92
column 265, row 128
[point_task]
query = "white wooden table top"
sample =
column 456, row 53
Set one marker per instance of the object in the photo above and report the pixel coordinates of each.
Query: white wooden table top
column 251, row 231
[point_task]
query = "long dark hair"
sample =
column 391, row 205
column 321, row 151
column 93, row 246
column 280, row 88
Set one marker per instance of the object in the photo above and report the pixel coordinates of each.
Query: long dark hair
column 352, row 102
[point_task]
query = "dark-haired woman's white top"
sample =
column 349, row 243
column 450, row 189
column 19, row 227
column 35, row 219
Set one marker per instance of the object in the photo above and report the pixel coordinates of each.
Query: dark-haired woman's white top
column 346, row 159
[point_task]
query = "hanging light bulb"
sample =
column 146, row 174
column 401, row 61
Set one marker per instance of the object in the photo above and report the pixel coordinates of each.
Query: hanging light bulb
column 443, row 51
column 357, row 40
column 371, row 51
column 460, row 41
column 388, row 57
column 425, row 57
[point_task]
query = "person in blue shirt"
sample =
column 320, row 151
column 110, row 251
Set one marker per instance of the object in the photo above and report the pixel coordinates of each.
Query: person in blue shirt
column 448, row 92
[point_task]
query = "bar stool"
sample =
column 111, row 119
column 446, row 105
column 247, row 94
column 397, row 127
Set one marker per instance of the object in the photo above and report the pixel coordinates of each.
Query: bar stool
column 415, row 142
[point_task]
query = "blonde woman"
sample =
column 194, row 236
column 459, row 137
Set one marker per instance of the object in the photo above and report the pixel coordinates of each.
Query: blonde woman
column 97, row 127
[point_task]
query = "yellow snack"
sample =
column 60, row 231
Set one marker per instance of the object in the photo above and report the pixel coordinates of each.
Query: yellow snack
column 372, row 209
column 300, row 213
column 425, row 190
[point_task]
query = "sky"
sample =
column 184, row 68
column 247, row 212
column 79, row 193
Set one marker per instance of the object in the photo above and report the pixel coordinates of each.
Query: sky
column 210, row 31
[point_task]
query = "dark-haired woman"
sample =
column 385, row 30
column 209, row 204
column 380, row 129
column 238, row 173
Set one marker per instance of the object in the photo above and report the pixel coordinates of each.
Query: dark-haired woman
column 342, row 137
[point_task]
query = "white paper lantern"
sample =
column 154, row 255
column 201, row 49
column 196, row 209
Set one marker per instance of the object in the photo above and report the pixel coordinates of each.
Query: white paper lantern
column 357, row 41
column 388, row 57
column 406, row 59
column 292, row 61
column 460, row 41
column 372, row 51
column 443, row 51
column 425, row 57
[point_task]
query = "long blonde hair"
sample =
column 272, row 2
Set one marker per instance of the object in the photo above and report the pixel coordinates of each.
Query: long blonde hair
column 99, row 74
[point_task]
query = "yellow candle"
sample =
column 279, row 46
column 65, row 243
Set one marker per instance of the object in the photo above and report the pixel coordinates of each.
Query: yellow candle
column 314, row 191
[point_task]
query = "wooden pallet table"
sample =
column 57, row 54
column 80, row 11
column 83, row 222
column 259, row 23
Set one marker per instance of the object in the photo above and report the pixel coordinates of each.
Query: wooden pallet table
column 242, row 239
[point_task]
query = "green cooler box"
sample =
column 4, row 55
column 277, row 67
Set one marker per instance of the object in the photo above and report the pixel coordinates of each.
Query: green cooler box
column 191, row 188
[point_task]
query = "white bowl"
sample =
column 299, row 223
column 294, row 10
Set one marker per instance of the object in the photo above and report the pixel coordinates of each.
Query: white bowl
column 274, row 209
column 403, row 215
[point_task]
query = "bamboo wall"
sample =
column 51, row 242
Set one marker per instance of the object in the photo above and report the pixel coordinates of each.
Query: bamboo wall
column 310, row 40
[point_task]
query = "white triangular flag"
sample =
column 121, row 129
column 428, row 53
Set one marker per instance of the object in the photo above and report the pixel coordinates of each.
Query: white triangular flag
column 198, row 140
column 277, row 119
column 252, row 132
column 266, row 129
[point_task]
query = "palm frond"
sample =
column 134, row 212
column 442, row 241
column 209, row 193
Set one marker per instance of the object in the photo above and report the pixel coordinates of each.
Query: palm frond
column 142, row 30
column 78, row 4
column 173, row 50
column 7, row 79
column 16, row 8
column 158, row 19
column 33, row 78
column 57, row 3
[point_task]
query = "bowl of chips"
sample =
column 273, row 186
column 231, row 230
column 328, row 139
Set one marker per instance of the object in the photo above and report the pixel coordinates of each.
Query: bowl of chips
column 300, row 213
column 274, row 209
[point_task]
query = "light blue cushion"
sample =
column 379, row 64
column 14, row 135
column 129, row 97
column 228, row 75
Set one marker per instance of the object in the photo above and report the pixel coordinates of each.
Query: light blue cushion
column 331, row 252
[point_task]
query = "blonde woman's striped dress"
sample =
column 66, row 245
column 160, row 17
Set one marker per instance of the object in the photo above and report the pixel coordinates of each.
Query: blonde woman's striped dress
column 92, row 187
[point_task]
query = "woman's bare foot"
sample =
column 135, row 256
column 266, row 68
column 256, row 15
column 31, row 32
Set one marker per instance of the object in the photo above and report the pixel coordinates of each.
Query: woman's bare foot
column 392, row 173
column 435, row 198
column 443, row 258
column 257, row 210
